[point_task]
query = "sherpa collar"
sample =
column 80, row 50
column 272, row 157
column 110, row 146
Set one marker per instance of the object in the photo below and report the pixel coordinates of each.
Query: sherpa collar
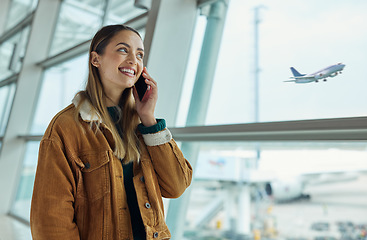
column 87, row 111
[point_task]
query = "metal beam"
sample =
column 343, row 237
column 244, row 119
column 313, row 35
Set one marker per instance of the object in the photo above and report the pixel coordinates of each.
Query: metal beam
column 68, row 54
column 9, row 80
column 320, row 130
column 10, row 32
column 28, row 138
column 343, row 129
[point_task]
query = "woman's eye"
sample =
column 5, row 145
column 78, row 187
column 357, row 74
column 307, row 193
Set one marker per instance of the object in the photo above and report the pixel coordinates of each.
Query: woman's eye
column 123, row 50
column 140, row 55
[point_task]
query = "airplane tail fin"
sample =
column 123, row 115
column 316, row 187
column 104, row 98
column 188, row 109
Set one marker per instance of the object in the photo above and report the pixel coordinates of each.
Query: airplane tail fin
column 296, row 73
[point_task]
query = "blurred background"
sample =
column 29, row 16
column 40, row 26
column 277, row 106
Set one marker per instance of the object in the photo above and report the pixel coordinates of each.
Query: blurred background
column 272, row 159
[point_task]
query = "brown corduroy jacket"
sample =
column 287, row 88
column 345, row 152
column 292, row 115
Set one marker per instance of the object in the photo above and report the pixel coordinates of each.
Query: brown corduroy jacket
column 79, row 191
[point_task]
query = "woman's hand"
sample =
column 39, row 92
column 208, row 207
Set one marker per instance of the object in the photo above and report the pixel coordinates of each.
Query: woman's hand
column 146, row 106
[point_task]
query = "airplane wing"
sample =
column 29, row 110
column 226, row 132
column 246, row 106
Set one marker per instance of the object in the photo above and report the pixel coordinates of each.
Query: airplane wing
column 306, row 77
column 301, row 79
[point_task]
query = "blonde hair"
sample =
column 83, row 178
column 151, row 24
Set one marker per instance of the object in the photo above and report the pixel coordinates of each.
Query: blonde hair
column 127, row 146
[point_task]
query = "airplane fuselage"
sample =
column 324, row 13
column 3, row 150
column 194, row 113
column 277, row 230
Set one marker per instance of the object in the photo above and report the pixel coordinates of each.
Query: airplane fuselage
column 330, row 71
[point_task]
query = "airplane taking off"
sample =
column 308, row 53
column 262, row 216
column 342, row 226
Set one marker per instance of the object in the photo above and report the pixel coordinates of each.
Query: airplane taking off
column 324, row 73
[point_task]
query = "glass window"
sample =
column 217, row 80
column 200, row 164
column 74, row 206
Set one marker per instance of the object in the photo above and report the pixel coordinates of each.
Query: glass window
column 121, row 11
column 12, row 52
column 18, row 10
column 22, row 203
column 60, row 84
column 279, row 190
column 6, row 100
column 308, row 37
column 78, row 21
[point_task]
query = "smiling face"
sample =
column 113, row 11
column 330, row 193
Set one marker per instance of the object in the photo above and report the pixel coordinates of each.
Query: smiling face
column 121, row 62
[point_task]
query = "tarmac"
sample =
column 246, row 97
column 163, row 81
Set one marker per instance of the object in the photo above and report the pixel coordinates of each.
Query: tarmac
column 334, row 211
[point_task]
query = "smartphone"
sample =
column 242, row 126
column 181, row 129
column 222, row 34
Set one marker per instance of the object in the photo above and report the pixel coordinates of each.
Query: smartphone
column 141, row 87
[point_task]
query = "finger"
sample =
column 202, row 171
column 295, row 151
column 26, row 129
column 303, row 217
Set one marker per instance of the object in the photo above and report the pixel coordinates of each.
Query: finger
column 148, row 87
column 145, row 72
column 147, row 75
column 151, row 83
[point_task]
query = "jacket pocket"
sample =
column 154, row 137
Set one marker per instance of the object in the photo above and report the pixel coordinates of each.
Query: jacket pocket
column 94, row 182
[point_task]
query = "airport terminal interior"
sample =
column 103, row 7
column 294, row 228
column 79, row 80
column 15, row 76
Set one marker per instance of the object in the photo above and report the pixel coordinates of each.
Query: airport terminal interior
column 277, row 153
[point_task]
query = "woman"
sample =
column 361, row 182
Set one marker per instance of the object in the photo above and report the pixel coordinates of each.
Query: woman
column 104, row 161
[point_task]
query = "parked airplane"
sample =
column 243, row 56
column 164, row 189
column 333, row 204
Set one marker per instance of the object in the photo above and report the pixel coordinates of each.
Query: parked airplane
column 292, row 187
column 324, row 73
column 227, row 170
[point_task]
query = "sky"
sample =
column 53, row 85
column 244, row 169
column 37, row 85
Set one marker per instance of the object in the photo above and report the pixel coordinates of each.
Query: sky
column 308, row 35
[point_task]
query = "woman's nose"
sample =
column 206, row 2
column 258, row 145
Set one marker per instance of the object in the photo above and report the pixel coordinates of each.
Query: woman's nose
column 131, row 59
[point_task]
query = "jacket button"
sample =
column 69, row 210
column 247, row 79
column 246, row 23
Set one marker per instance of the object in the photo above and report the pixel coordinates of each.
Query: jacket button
column 142, row 179
column 155, row 235
column 87, row 165
column 147, row 205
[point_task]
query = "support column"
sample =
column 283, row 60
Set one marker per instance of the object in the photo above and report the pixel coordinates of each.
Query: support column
column 21, row 115
column 198, row 106
column 167, row 43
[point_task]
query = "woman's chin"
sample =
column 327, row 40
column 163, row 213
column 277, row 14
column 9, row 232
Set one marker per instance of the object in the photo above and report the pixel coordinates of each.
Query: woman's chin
column 129, row 84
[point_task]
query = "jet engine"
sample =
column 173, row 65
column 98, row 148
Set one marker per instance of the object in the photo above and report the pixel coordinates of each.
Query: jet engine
column 333, row 74
column 285, row 190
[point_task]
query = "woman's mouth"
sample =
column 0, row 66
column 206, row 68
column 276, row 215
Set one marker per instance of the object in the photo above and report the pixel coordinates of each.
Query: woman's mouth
column 128, row 71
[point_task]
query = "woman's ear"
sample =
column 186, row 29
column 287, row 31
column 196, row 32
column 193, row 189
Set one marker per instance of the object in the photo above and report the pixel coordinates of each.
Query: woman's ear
column 94, row 60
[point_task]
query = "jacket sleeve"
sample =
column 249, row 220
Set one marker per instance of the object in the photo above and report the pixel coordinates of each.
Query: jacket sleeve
column 173, row 171
column 52, row 210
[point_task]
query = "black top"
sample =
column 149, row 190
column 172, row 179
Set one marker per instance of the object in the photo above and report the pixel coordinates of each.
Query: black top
column 132, row 201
